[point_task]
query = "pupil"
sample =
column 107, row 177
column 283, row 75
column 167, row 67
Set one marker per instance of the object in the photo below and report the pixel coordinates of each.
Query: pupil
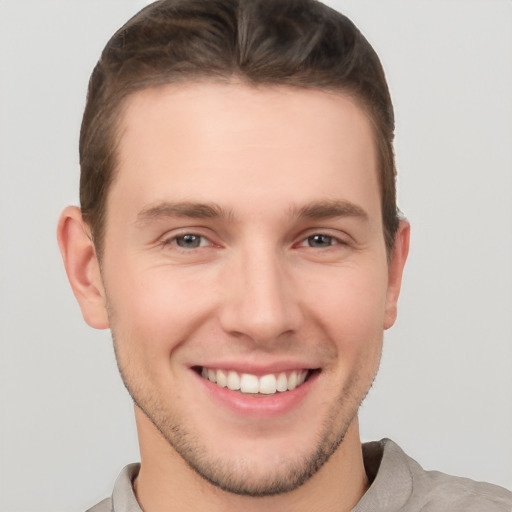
column 319, row 240
column 189, row 241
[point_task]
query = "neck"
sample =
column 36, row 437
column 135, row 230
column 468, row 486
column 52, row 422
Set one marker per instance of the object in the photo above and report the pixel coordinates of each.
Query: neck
column 166, row 483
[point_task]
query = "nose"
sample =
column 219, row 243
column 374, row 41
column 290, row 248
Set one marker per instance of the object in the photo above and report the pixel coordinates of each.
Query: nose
column 259, row 302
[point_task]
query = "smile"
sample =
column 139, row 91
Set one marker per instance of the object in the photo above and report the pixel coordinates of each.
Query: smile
column 268, row 384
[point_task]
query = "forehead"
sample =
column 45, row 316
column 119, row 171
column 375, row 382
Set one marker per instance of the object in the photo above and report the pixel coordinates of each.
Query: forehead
column 195, row 110
column 234, row 142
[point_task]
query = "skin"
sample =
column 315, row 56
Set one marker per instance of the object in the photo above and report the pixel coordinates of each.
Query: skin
column 290, row 271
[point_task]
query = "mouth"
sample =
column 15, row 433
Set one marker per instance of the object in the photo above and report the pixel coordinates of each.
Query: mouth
column 247, row 383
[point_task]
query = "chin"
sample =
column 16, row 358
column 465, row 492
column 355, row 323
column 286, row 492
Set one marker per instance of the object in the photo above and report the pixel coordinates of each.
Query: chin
column 257, row 471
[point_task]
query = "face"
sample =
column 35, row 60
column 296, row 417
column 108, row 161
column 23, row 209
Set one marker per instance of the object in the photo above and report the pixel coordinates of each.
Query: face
column 246, row 275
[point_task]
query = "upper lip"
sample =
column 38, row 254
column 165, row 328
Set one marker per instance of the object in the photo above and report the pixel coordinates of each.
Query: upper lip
column 256, row 368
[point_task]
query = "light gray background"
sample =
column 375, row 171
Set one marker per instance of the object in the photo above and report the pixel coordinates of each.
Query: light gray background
column 445, row 387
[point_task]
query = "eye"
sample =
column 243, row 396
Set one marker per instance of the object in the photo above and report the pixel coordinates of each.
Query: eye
column 320, row 240
column 190, row 241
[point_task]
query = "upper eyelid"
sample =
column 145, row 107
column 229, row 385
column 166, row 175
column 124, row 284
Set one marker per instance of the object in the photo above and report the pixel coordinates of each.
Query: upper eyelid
column 337, row 241
column 187, row 230
column 337, row 234
column 172, row 237
column 206, row 233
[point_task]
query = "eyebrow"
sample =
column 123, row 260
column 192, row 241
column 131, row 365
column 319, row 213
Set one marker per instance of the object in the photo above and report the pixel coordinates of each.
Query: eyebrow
column 330, row 209
column 194, row 210
column 185, row 209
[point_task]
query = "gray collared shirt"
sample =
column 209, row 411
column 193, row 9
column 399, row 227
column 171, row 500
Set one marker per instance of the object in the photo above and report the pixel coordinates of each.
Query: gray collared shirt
column 399, row 484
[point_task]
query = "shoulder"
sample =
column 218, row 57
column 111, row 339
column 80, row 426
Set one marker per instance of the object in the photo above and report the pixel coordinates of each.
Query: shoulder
column 438, row 491
column 102, row 506
column 401, row 483
column 123, row 498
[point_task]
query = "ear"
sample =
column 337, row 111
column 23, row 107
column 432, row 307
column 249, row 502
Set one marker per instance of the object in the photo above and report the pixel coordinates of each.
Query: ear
column 395, row 271
column 82, row 266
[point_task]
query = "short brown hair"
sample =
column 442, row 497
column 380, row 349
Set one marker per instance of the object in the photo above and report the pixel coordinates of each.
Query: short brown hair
column 300, row 43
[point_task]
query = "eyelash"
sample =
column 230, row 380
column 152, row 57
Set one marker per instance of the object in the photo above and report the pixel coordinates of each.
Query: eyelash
column 305, row 242
column 332, row 239
column 174, row 241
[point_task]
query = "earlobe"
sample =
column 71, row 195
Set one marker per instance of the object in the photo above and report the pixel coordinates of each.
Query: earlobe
column 82, row 267
column 395, row 271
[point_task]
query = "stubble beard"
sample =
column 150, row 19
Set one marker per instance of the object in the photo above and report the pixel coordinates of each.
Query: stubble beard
column 240, row 478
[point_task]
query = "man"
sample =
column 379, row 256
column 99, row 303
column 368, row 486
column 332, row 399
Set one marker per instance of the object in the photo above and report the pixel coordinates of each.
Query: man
column 238, row 233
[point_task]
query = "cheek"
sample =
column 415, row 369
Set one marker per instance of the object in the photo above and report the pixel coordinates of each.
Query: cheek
column 154, row 310
column 348, row 307
column 350, row 299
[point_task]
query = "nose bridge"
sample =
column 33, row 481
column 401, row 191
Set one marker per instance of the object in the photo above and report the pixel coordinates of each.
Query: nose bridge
column 259, row 302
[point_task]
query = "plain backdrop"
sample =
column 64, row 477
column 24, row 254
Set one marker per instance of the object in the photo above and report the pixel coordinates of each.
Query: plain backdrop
column 444, row 391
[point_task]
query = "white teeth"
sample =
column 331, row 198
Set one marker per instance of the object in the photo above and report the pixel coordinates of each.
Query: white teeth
column 282, row 382
column 292, row 381
column 268, row 384
column 248, row 383
column 233, row 381
column 222, row 379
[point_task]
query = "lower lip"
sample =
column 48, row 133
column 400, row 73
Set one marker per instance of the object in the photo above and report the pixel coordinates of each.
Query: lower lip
column 258, row 405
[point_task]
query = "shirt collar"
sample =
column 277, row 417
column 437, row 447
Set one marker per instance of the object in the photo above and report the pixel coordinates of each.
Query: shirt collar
column 385, row 464
column 123, row 497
